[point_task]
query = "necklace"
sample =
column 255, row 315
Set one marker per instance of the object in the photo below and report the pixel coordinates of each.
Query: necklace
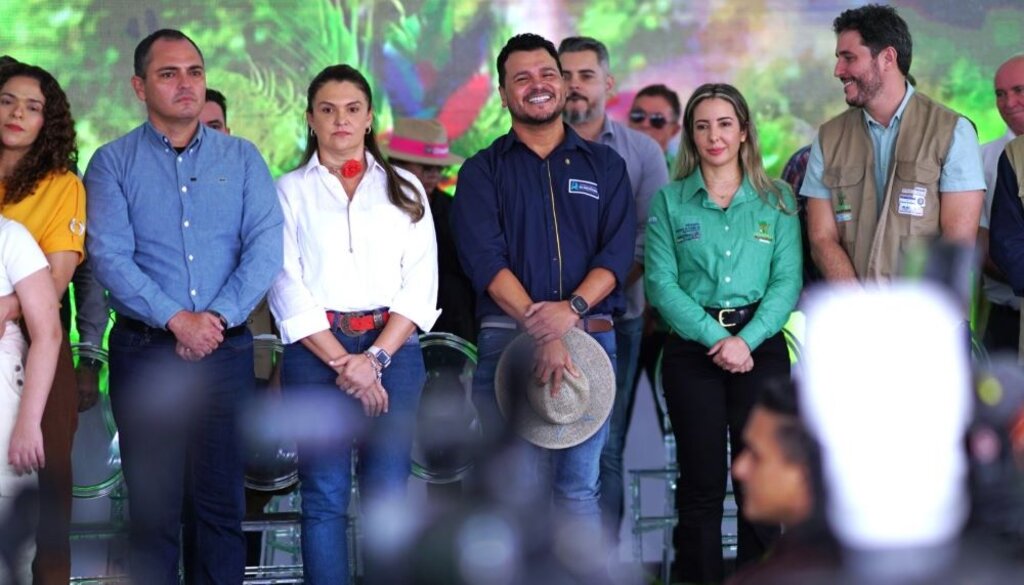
column 349, row 169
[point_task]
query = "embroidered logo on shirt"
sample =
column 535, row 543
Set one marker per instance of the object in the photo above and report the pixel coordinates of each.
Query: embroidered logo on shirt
column 764, row 233
column 581, row 187
column 688, row 233
column 76, row 226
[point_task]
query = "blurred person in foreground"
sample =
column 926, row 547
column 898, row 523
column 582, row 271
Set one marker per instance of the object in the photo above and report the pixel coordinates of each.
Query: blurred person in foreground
column 723, row 268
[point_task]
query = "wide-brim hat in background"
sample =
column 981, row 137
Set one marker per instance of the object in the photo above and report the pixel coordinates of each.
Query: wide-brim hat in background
column 579, row 408
column 420, row 141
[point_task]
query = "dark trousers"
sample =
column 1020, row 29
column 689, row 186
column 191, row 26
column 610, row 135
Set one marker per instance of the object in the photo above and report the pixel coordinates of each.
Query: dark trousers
column 1003, row 330
column 178, row 433
column 52, row 565
column 704, row 401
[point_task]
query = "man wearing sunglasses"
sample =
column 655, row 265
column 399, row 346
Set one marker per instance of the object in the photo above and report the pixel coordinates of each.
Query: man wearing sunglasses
column 655, row 112
column 588, row 85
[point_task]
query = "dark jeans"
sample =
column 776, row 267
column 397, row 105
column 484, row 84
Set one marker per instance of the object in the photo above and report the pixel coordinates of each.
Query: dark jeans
column 385, row 445
column 704, row 401
column 178, row 432
column 1003, row 330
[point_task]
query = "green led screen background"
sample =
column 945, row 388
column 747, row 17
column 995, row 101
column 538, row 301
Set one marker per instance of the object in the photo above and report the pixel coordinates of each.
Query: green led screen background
column 435, row 58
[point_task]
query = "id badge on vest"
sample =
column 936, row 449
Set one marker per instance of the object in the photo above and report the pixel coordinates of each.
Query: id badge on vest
column 912, row 201
column 843, row 210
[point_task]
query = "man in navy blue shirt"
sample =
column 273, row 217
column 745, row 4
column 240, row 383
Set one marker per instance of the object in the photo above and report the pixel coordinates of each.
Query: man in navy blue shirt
column 185, row 231
column 1006, row 240
column 544, row 224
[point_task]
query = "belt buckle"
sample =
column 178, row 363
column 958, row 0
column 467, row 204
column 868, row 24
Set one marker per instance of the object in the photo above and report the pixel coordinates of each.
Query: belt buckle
column 342, row 322
column 721, row 317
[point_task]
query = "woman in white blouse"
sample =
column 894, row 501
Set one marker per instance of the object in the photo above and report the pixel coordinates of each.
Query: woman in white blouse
column 359, row 278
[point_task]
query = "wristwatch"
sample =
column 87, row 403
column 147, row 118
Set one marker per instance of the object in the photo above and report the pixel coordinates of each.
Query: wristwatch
column 579, row 305
column 383, row 357
column 223, row 320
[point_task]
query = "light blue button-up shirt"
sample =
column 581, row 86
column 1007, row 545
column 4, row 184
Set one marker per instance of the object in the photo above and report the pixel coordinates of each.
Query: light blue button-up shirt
column 962, row 170
column 200, row 230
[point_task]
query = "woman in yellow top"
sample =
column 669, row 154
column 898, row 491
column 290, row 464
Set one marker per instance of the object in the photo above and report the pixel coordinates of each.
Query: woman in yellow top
column 40, row 191
column 723, row 266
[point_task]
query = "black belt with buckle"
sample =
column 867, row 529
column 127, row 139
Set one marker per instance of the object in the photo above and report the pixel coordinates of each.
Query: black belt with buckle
column 733, row 317
column 358, row 322
column 140, row 327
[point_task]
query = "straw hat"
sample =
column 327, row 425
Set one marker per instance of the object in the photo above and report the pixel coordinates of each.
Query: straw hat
column 579, row 408
column 420, row 141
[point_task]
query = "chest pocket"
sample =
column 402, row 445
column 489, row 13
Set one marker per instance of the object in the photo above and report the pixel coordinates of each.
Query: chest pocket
column 915, row 198
column 846, row 185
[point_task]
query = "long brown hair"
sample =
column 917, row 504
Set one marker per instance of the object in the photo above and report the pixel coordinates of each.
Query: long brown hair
column 396, row 195
column 750, row 150
column 55, row 148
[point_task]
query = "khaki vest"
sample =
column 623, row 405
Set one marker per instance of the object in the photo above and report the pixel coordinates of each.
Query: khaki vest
column 910, row 208
column 1015, row 152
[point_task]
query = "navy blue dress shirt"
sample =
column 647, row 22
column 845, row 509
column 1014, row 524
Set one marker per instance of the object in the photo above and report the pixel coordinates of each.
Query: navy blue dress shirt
column 197, row 230
column 549, row 221
column 1006, row 226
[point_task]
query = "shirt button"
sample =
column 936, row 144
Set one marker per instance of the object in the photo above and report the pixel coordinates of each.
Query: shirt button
column 186, row 223
column 180, row 159
column 728, row 304
column 192, row 292
column 728, row 279
column 184, row 189
column 726, row 228
column 190, row 257
column 728, row 253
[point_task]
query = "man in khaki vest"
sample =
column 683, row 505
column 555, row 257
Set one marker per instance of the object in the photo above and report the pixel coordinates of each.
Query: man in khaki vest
column 894, row 170
column 1006, row 244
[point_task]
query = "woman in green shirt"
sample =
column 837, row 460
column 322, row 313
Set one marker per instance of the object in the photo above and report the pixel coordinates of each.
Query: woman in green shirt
column 723, row 265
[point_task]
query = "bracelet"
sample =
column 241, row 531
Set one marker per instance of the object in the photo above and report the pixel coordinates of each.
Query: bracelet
column 377, row 369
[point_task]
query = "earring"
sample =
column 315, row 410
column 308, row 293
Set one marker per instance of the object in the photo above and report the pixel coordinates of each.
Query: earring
column 367, row 129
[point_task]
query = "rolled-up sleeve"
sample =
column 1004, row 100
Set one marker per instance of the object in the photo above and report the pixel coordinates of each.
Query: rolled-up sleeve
column 661, row 278
column 110, row 241
column 618, row 223
column 784, row 280
column 476, row 226
column 260, row 257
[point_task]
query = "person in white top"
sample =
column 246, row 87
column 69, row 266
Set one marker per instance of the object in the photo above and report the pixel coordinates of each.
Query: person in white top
column 1003, row 327
column 26, row 374
column 359, row 278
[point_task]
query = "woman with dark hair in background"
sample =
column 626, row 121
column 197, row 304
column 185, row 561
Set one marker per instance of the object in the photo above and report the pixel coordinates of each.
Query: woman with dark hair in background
column 359, row 278
column 723, row 268
column 39, row 190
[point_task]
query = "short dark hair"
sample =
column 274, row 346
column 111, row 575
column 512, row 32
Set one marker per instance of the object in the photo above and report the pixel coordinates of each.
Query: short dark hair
column 779, row 397
column 142, row 50
column 879, row 27
column 577, row 44
column 524, row 42
column 661, row 90
column 212, row 95
column 7, row 60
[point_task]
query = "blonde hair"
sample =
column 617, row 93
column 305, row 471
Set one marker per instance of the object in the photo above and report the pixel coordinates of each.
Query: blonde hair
column 750, row 151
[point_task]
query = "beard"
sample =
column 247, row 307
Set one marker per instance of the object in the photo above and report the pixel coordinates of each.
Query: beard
column 868, row 86
column 519, row 114
column 574, row 116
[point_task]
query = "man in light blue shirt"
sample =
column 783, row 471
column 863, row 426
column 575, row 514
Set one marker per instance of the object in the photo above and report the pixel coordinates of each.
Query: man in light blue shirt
column 585, row 65
column 185, row 231
column 935, row 188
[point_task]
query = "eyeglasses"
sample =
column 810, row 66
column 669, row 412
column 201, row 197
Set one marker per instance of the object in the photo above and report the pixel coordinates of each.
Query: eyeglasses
column 657, row 119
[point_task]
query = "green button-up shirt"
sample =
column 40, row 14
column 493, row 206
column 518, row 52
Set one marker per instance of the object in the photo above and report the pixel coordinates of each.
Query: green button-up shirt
column 699, row 255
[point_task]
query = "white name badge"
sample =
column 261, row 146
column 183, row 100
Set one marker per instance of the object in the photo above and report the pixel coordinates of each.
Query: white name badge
column 912, row 201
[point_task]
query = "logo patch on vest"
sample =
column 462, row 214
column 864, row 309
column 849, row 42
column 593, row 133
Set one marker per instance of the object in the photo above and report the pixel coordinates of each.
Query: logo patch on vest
column 843, row 210
column 912, row 201
column 764, row 232
column 688, row 233
column 581, row 187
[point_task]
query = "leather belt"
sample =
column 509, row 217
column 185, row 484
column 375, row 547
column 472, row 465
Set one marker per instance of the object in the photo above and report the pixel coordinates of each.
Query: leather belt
column 140, row 327
column 733, row 317
column 595, row 324
column 358, row 322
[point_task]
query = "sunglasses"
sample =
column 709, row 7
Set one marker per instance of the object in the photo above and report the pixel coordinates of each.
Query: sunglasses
column 657, row 120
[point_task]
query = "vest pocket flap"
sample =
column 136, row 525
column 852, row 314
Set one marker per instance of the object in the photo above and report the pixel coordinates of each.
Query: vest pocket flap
column 913, row 171
column 845, row 176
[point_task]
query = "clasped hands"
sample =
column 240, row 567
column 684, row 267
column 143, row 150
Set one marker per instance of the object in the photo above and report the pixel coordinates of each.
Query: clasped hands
column 547, row 322
column 732, row 354
column 198, row 334
column 357, row 376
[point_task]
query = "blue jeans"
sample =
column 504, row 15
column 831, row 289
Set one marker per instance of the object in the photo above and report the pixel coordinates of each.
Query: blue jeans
column 628, row 334
column 384, row 451
column 178, row 430
column 574, row 471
